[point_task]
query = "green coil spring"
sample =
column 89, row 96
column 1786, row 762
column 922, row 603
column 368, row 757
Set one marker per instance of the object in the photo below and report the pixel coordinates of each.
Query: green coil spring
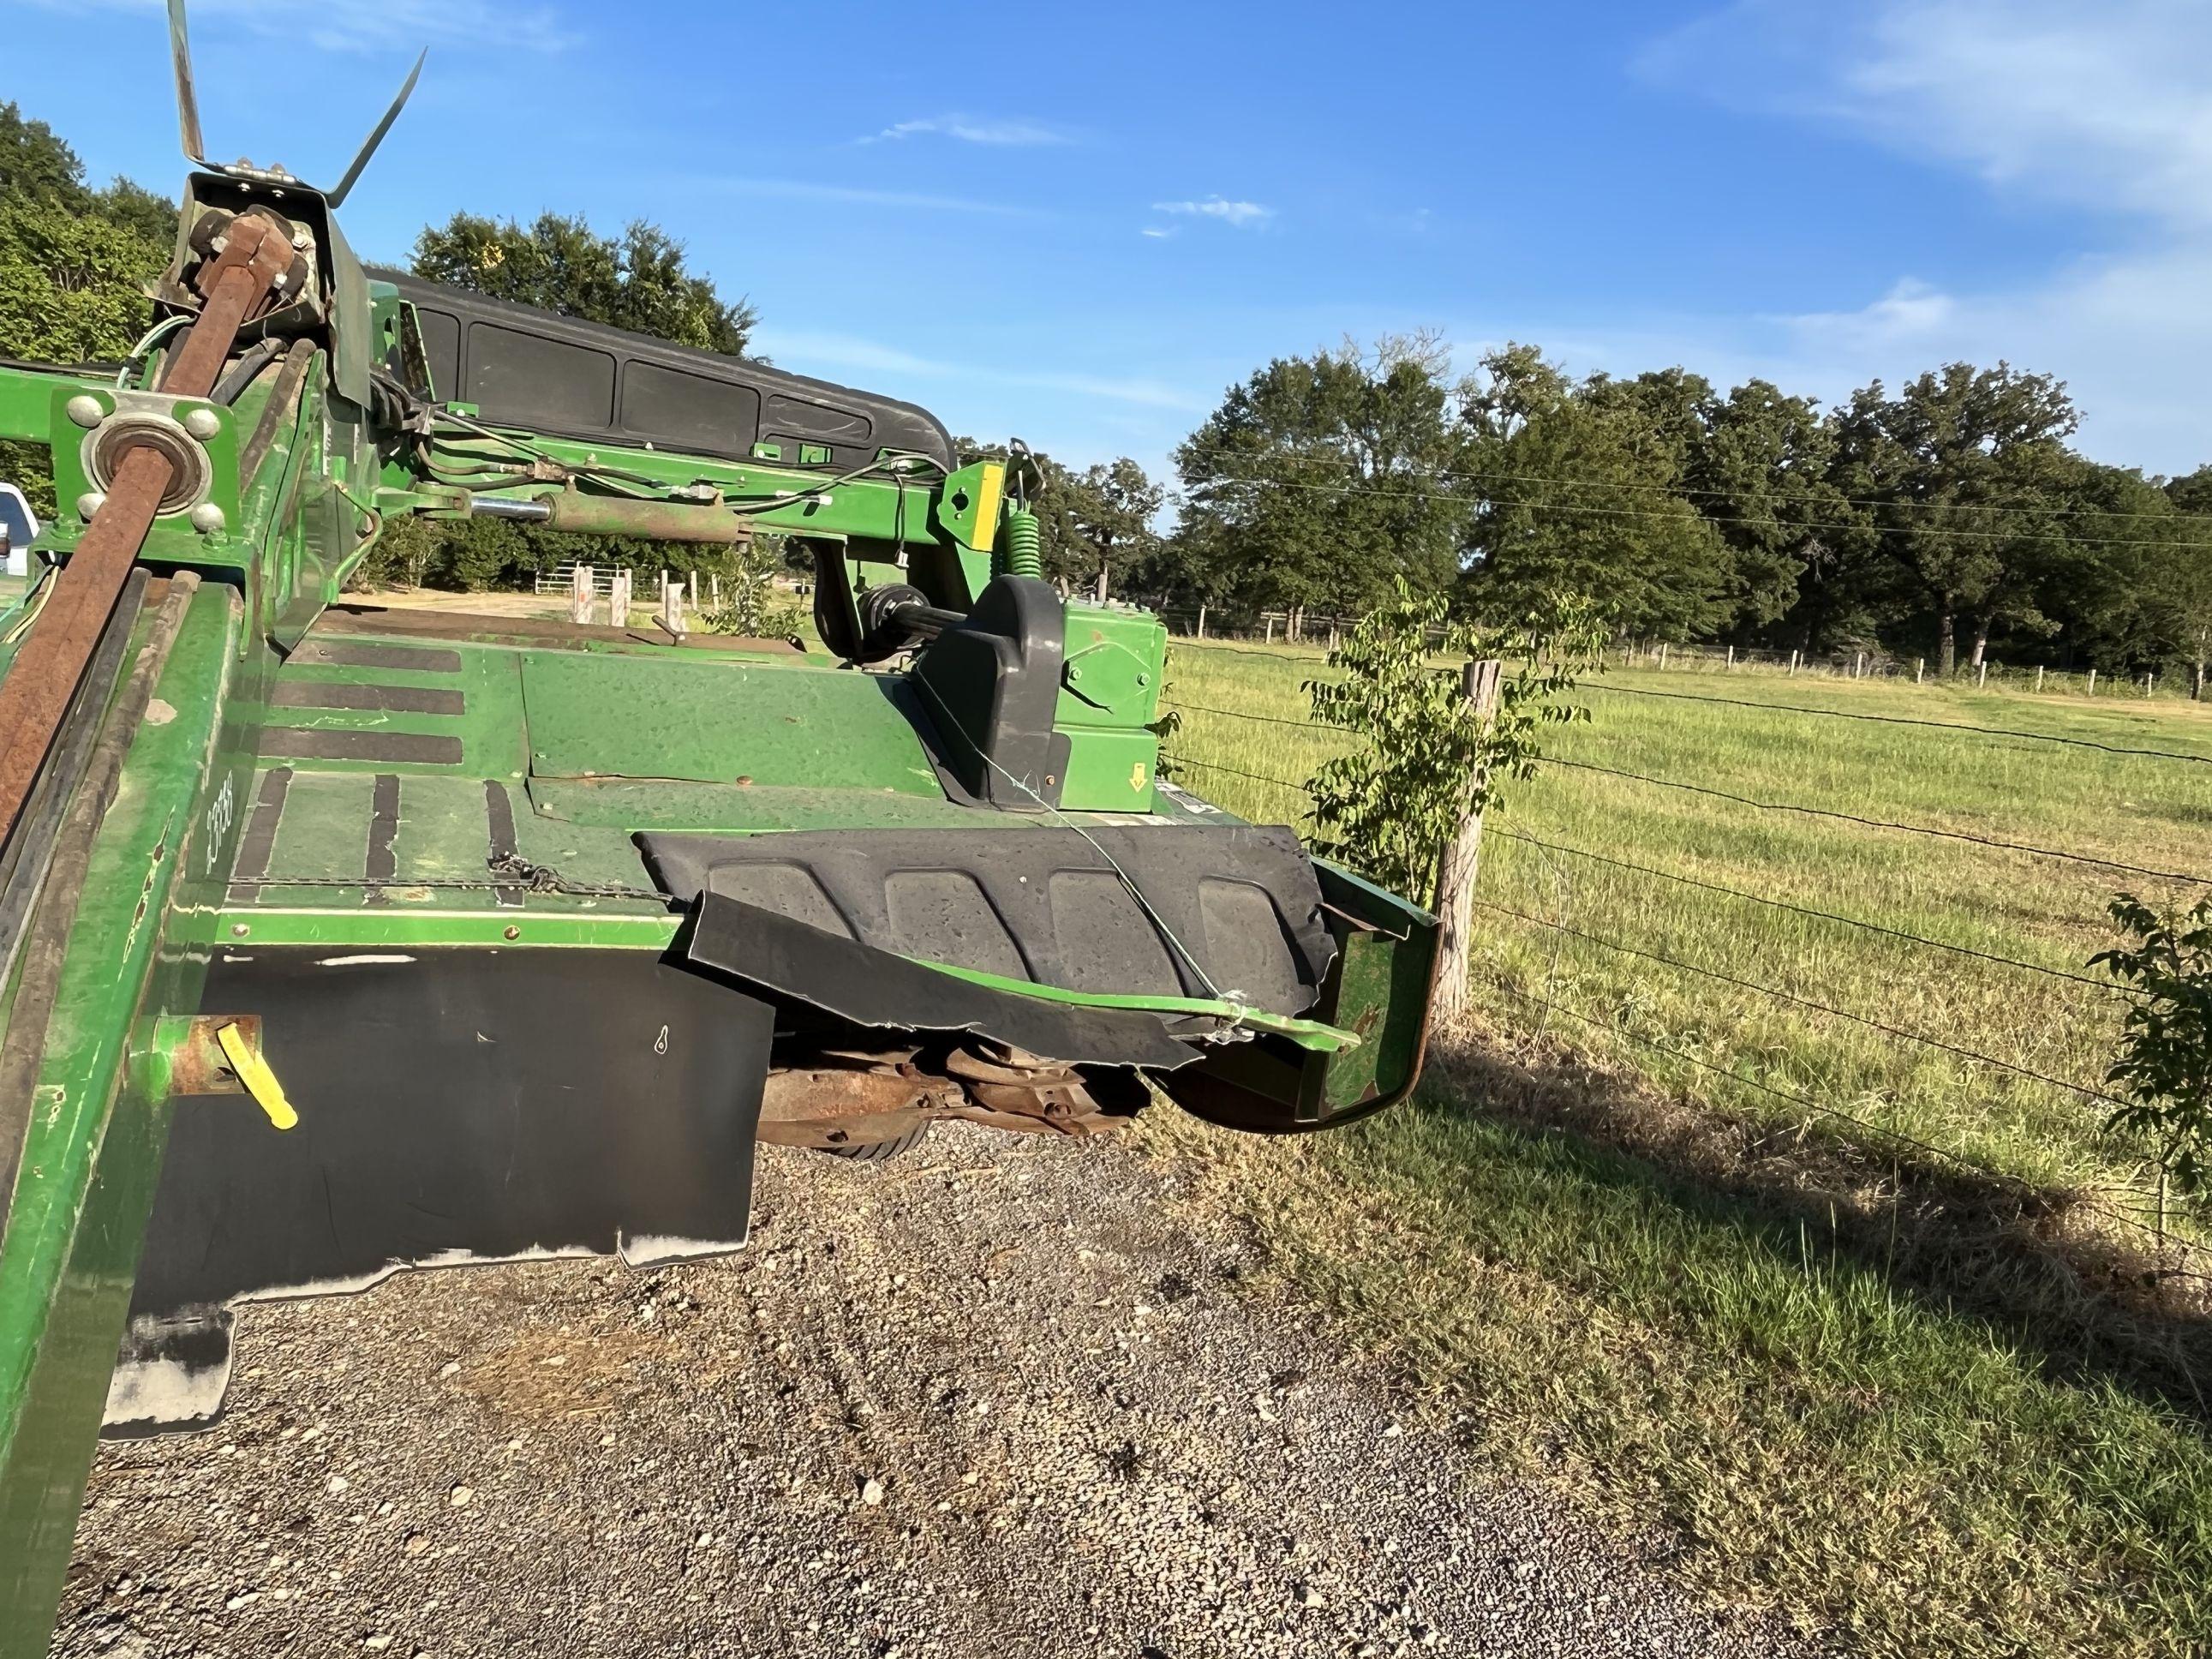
column 1024, row 546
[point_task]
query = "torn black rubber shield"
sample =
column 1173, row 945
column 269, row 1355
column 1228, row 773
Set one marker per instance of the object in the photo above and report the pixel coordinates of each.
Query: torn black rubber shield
column 867, row 986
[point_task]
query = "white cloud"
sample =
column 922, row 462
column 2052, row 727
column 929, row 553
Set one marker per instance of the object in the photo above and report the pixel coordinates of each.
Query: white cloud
column 970, row 129
column 2105, row 108
column 1157, row 232
column 1243, row 215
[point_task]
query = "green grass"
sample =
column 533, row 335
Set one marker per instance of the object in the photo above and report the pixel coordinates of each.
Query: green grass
column 1889, row 1396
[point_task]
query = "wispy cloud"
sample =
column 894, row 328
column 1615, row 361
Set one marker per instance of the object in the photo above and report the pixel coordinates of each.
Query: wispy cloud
column 810, row 190
column 805, row 348
column 372, row 25
column 2105, row 108
column 973, row 130
column 1157, row 232
column 1244, row 216
column 2107, row 105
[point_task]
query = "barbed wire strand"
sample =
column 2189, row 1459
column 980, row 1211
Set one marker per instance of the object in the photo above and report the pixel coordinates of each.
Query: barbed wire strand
column 2115, row 986
column 1882, row 823
column 1901, row 1032
column 1893, row 720
column 1806, row 1103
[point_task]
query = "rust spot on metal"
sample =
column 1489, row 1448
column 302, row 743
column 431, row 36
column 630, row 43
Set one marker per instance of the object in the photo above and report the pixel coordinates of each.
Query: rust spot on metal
column 44, row 675
column 196, row 1065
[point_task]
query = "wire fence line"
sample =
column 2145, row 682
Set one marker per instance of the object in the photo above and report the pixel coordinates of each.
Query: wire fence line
column 1898, row 720
column 1964, row 728
column 1814, row 1005
column 2029, row 848
column 1886, row 823
column 2024, row 1189
column 1757, row 987
column 1210, row 627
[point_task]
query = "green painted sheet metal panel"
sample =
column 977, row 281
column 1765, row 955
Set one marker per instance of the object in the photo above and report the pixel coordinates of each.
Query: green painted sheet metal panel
column 96, row 1137
column 718, row 723
column 630, row 803
column 489, row 730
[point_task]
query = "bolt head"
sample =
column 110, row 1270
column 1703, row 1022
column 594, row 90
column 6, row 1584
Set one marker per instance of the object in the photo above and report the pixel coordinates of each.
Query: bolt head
column 89, row 503
column 207, row 518
column 203, row 423
column 87, row 410
column 512, row 932
column 239, row 930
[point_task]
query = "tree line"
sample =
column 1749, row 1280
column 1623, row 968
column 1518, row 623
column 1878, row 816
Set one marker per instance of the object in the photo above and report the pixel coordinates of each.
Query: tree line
column 1948, row 517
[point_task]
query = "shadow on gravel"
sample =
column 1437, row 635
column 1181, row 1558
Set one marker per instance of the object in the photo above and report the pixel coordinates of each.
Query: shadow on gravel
column 1965, row 1245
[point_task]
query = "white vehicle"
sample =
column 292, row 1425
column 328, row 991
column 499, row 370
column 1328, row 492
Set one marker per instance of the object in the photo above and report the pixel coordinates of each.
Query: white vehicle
column 17, row 526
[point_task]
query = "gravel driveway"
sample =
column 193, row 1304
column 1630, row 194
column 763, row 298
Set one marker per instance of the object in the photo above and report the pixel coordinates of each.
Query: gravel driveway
column 1002, row 1397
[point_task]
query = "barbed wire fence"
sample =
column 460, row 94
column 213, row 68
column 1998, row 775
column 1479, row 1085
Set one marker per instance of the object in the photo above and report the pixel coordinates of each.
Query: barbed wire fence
column 1811, row 1110
column 1319, row 632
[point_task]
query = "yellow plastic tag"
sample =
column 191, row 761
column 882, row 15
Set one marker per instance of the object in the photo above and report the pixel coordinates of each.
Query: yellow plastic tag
column 253, row 1071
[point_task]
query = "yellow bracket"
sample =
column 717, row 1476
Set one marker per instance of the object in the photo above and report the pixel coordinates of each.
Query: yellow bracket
column 253, row 1071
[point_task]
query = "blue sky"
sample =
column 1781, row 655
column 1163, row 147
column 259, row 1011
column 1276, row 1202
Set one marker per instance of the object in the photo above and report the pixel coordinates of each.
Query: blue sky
column 1079, row 225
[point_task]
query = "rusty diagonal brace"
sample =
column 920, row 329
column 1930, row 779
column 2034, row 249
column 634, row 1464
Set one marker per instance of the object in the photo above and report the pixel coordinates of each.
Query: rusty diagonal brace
column 43, row 679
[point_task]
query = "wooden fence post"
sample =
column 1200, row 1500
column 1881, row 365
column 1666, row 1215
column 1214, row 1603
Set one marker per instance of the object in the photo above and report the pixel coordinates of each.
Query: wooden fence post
column 1731, row 659
column 1981, row 674
column 579, row 594
column 1919, row 669
column 1457, row 869
column 1662, row 653
column 1202, row 622
column 672, row 609
column 2038, row 677
column 1271, row 627
column 618, row 599
column 1858, row 665
column 2092, row 682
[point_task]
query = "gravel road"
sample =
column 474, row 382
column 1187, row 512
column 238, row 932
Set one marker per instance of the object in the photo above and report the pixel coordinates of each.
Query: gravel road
column 1002, row 1397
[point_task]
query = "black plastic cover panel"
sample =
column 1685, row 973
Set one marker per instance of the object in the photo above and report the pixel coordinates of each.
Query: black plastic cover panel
column 1041, row 904
column 454, row 1106
column 563, row 376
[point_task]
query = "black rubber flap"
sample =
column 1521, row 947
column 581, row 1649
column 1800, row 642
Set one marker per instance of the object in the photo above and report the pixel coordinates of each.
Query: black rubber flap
column 459, row 1105
column 1041, row 903
column 872, row 987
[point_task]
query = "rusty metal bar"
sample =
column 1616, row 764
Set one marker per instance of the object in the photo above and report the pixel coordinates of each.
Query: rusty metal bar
column 43, row 679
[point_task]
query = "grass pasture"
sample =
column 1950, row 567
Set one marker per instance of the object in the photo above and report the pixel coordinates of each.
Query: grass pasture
column 1864, row 1317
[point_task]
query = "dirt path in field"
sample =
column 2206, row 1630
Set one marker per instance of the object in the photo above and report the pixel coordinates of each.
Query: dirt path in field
column 1003, row 1398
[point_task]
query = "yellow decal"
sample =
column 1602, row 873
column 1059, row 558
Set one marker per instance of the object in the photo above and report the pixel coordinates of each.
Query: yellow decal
column 1137, row 775
column 986, row 506
column 253, row 1071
